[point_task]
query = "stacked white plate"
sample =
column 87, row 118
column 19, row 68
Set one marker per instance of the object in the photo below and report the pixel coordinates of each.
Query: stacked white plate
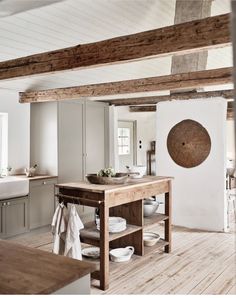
column 116, row 224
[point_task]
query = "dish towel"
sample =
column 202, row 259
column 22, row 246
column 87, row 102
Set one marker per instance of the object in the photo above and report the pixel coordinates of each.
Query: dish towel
column 59, row 227
column 73, row 245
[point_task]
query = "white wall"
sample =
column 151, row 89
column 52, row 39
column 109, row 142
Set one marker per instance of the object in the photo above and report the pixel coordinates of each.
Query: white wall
column 198, row 193
column 230, row 138
column 18, row 130
column 146, row 129
column 113, row 134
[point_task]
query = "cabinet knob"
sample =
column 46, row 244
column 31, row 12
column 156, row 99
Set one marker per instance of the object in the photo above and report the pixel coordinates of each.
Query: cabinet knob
column 4, row 204
column 44, row 182
column 8, row 203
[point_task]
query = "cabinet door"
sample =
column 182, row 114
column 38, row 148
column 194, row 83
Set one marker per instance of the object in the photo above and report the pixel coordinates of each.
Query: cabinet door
column 16, row 216
column 96, row 137
column 95, row 142
column 70, row 141
column 2, row 219
column 41, row 202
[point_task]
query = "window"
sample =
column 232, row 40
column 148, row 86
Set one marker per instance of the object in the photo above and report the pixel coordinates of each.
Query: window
column 123, row 141
column 3, row 141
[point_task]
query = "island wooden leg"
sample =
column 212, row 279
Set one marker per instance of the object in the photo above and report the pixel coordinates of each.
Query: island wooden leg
column 104, row 247
column 168, row 211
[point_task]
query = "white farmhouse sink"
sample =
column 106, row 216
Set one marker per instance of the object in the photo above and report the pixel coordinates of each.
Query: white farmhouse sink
column 13, row 186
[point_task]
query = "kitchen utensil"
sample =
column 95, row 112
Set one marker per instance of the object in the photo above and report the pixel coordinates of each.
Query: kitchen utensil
column 119, row 178
column 150, row 238
column 150, row 207
column 121, row 254
column 91, row 252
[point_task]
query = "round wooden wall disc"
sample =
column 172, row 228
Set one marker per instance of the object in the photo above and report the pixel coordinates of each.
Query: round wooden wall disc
column 188, row 143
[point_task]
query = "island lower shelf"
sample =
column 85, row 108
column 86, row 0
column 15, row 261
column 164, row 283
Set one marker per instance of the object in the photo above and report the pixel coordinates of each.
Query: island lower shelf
column 154, row 219
column 91, row 235
column 147, row 249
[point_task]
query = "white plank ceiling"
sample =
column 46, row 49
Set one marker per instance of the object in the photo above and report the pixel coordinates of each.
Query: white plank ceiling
column 73, row 22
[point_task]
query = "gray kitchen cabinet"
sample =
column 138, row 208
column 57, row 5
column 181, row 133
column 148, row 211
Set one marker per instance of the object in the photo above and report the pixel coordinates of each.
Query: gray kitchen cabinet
column 2, row 219
column 69, row 139
column 14, row 217
column 82, row 143
column 41, row 202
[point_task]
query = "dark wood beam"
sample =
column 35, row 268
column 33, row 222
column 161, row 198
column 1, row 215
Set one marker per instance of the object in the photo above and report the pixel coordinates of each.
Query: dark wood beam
column 182, row 38
column 227, row 94
column 152, row 108
column 142, row 109
column 170, row 82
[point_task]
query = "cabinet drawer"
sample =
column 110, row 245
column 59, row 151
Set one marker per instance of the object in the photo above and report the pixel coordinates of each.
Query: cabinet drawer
column 41, row 202
column 42, row 182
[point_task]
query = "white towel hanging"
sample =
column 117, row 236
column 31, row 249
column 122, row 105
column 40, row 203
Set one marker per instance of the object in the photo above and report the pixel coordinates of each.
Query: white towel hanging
column 72, row 244
column 59, row 227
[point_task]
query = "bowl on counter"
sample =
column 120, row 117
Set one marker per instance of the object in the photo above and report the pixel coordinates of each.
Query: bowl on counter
column 121, row 254
column 137, row 171
column 149, row 207
column 150, row 238
column 119, row 178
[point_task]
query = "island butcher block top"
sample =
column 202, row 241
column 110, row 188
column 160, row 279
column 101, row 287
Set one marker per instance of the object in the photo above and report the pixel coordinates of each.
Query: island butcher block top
column 116, row 194
column 99, row 188
column 26, row 270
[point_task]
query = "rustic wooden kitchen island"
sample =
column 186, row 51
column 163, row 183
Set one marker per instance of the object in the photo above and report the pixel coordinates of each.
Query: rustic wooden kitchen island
column 120, row 200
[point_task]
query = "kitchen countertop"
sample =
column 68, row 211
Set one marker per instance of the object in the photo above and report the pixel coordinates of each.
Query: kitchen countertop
column 26, row 270
column 36, row 177
column 102, row 188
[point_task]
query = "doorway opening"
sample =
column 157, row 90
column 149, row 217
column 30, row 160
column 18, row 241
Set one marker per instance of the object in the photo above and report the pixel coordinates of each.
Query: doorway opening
column 127, row 140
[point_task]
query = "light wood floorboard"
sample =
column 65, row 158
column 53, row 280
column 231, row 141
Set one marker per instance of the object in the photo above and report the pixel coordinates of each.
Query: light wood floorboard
column 201, row 262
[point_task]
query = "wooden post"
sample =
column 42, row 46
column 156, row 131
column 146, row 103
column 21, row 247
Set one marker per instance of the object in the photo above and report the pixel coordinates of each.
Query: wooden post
column 168, row 212
column 186, row 11
column 104, row 246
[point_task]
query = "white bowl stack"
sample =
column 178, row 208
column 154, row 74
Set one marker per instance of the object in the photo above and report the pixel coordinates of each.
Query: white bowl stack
column 116, row 224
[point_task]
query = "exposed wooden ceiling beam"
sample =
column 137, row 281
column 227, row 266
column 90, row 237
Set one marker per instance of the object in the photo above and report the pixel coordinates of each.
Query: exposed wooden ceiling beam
column 152, row 108
column 227, row 94
column 169, row 82
column 142, row 108
column 182, row 38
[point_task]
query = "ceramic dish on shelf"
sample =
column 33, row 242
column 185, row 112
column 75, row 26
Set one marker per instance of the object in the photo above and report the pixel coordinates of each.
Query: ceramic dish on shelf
column 91, row 252
column 150, row 238
column 121, row 254
column 149, row 207
column 115, row 229
column 116, row 224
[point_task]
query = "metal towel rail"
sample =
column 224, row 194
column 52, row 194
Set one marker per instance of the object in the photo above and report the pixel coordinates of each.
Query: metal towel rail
column 76, row 200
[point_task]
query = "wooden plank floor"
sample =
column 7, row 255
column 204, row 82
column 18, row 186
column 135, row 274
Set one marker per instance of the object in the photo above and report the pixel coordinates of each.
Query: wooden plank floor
column 200, row 263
